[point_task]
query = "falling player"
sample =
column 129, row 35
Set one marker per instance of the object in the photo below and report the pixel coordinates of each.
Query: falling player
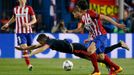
column 92, row 22
column 64, row 46
column 23, row 27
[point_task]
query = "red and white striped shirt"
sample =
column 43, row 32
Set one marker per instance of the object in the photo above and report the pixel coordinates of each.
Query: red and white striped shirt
column 22, row 15
column 92, row 23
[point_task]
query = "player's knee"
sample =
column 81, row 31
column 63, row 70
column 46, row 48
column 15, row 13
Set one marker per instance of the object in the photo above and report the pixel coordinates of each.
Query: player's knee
column 91, row 49
column 101, row 56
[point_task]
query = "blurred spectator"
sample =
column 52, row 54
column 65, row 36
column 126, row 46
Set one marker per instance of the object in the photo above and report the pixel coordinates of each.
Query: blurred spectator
column 53, row 12
column 37, row 4
column 126, row 20
column 4, row 20
column 59, row 27
column 132, row 20
column 39, row 26
column 130, row 3
column 72, row 5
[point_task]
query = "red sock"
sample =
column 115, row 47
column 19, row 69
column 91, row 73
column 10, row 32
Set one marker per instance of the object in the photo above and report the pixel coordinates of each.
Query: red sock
column 108, row 61
column 27, row 59
column 93, row 58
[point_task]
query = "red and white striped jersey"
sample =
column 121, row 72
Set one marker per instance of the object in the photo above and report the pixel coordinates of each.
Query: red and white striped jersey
column 92, row 23
column 22, row 15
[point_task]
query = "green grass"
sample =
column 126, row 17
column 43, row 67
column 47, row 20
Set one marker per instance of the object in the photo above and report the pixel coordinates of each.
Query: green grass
column 54, row 67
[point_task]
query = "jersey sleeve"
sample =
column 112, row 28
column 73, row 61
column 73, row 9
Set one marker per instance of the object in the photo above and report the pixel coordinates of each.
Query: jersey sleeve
column 31, row 11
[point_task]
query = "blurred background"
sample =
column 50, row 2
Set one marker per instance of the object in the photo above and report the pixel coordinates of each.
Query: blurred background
column 55, row 16
column 50, row 13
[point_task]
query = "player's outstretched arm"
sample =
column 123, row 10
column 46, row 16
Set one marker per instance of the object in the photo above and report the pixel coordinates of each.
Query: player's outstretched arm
column 29, row 47
column 77, row 30
column 33, row 21
column 12, row 20
column 122, row 26
column 39, row 50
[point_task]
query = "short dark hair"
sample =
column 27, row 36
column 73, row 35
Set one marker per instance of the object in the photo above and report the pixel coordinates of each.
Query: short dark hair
column 82, row 4
column 42, row 37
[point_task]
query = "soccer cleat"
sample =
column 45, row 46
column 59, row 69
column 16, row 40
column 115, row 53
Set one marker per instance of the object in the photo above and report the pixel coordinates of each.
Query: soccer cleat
column 124, row 45
column 112, row 71
column 118, row 70
column 30, row 67
column 96, row 73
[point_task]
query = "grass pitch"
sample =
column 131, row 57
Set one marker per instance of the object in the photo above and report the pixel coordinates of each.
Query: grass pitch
column 54, row 67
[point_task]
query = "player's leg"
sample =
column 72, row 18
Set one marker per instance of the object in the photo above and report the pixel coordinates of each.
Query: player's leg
column 120, row 44
column 81, row 51
column 22, row 41
column 93, row 57
column 101, row 44
column 27, row 59
column 29, row 38
column 112, row 65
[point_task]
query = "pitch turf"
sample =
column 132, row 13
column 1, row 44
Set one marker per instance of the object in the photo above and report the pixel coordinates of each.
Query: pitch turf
column 54, row 67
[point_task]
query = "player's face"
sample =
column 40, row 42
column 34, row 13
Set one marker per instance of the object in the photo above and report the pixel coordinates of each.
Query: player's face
column 77, row 13
column 22, row 2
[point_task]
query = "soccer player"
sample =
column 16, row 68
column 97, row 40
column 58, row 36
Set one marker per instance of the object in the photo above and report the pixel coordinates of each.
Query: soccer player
column 64, row 46
column 92, row 22
column 25, row 18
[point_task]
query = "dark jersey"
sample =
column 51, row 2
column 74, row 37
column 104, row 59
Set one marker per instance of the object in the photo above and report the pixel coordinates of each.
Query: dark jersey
column 78, row 46
column 80, row 50
column 66, row 47
column 59, row 45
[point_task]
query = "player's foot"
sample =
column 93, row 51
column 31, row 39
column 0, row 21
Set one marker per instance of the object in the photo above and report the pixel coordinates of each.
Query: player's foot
column 96, row 73
column 112, row 71
column 118, row 70
column 124, row 45
column 30, row 67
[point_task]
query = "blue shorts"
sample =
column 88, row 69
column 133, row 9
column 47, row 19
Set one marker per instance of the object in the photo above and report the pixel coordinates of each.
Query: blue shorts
column 101, row 43
column 24, row 39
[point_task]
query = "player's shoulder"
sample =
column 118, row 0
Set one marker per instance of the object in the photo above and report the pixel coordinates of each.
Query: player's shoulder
column 29, row 6
column 91, row 11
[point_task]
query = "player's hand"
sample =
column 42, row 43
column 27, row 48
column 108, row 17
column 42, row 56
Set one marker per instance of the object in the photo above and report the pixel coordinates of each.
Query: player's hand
column 86, row 41
column 19, row 48
column 5, row 27
column 26, row 25
column 122, row 26
column 69, row 31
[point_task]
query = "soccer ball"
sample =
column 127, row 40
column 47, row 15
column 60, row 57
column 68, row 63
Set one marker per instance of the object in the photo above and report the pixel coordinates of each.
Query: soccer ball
column 67, row 65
